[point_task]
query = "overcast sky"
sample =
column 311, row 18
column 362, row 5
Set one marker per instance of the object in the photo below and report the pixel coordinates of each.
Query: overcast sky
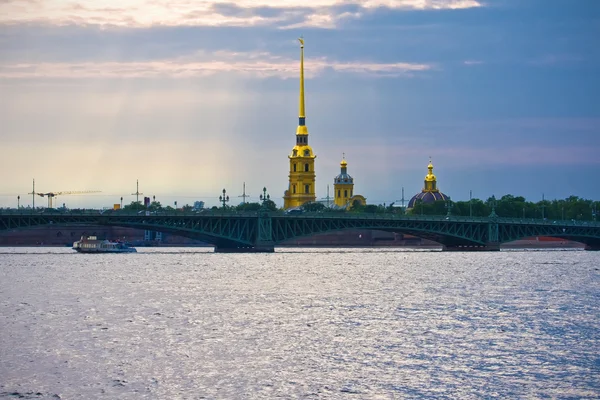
column 193, row 96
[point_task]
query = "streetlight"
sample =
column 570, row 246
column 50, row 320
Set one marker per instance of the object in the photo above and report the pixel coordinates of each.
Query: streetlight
column 121, row 201
column 224, row 199
column 543, row 206
column 18, row 202
column 448, row 206
column 470, row 203
column 176, row 204
column 265, row 196
column 493, row 202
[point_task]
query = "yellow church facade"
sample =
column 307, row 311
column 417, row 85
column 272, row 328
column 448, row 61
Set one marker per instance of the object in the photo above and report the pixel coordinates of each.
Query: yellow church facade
column 343, row 187
column 301, row 187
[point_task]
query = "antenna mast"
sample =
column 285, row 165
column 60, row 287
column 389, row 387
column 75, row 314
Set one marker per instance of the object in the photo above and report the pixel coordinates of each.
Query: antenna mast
column 244, row 195
column 137, row 191
column 402, row 200
column 327, row 198
column 33, row 193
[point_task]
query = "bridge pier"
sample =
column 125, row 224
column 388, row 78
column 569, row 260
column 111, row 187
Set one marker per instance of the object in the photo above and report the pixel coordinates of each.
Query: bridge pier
column 487, row 247
column 592, row 247
column 259, row 248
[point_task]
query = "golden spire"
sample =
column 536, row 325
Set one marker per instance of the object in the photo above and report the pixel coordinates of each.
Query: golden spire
column 343, row 163
column 301, row 112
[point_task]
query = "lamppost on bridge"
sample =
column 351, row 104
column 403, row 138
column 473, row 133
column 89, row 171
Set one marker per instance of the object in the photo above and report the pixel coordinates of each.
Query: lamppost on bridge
column 543, row 206
column 18, row 202
column 176, row 204
column 470, row 203
column 493, row 213
column 448, row 207
column 264, row 197
column 224, row 198
column 121, row 201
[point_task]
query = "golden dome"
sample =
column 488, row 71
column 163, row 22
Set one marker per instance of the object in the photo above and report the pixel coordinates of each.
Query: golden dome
column 343, row 164
column 430, row 177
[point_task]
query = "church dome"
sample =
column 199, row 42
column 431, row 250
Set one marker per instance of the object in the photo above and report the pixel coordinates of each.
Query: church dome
column 430, row 192
column 427, row 198
column 343, row 177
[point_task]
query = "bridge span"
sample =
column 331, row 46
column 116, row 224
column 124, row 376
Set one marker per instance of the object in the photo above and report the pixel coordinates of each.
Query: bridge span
column 262, row 231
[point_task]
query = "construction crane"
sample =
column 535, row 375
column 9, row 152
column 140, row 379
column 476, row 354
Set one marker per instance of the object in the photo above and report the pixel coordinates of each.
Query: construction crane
column 52, row 195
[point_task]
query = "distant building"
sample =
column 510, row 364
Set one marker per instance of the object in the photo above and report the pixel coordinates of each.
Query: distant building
column 198, row 205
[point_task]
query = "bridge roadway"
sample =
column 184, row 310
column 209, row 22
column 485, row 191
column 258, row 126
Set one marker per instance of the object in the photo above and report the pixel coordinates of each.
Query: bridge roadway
column 262, row 231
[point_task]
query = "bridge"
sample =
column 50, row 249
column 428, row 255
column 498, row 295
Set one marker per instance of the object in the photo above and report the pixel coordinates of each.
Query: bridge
column 262, row 231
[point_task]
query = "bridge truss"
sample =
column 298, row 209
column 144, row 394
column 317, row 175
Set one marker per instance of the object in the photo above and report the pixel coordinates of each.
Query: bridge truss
column 261, row 231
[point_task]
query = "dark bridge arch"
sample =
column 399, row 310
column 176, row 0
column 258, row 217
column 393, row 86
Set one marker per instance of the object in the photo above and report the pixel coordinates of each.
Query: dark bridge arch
column 440, row 230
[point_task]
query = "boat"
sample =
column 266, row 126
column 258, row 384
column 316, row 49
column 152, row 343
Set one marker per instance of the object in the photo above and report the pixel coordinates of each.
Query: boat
column 91, row 244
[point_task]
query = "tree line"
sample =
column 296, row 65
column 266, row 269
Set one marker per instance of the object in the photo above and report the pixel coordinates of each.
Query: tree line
column 508, row 206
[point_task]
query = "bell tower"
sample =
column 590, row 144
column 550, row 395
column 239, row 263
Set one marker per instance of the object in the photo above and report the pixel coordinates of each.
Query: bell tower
column 343, row 185
column 301, row 188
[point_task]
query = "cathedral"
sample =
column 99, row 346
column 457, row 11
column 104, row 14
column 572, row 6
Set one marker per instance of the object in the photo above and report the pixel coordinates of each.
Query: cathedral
column 430, row 192
column 301, row 187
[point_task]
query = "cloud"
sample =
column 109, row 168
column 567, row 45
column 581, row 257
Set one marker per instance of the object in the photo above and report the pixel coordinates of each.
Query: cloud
column 472, row 62
column 145, row 13
column 262, row 65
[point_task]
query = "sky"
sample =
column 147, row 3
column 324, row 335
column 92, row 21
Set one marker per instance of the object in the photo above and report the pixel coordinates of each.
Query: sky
column 193, row 96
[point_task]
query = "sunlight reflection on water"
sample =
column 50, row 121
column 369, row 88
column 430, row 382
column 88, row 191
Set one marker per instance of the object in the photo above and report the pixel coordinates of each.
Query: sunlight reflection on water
column 328, row 323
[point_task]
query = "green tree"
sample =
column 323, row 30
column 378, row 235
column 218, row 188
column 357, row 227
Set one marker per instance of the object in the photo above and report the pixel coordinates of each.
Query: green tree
column 357, row 206
column 270, row 205
column 155, row 206
column 371, row 208
column 248, row 207
column 134, row 206
column 313, row 207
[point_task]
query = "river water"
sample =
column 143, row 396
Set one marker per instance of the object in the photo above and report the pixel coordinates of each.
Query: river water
column 327, row 323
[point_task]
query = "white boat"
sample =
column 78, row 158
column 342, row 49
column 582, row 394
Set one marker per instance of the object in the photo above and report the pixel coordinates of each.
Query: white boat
column 91, row 244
